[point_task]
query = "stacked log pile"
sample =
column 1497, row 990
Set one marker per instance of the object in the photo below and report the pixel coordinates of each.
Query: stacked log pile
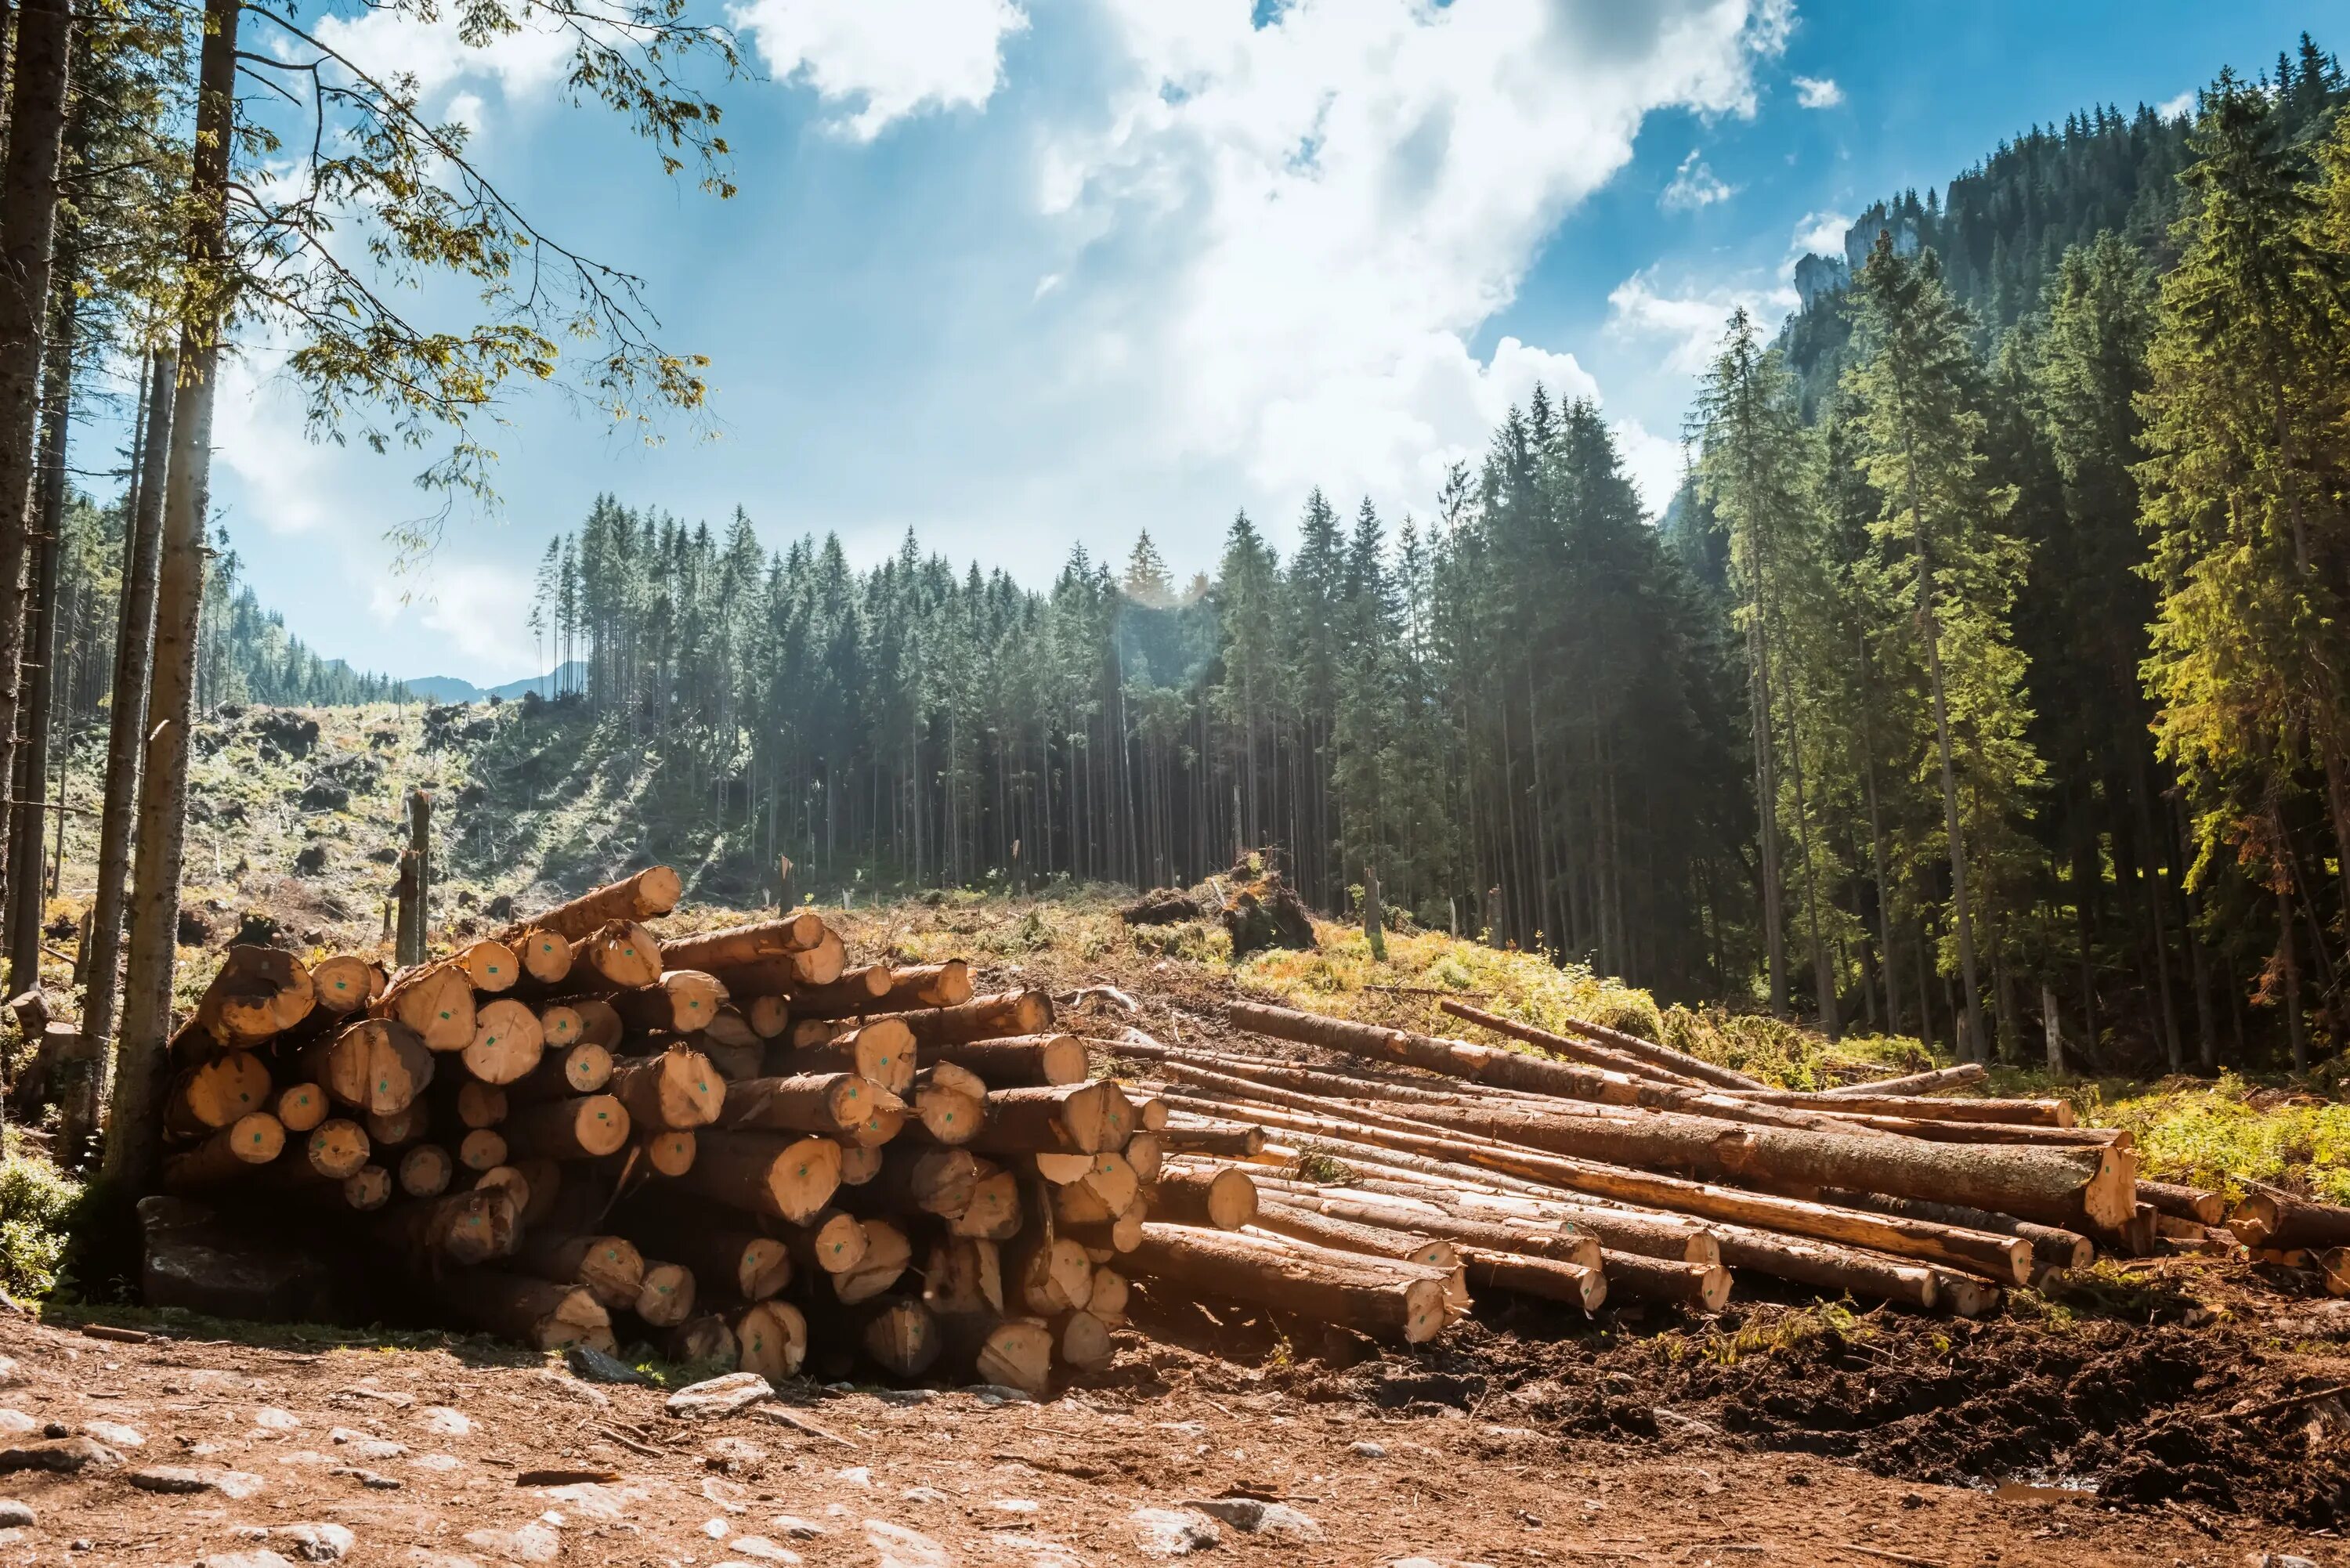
column 736, row 1145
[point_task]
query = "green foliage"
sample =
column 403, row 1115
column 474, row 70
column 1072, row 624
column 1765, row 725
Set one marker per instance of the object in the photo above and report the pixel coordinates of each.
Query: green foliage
column 37, row 1206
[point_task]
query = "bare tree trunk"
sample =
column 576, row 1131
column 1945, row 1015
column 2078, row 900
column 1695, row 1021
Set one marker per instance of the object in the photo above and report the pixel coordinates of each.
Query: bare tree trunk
column 133, row 638
column 28, row 214
column 131, row 1142
column 27, row 881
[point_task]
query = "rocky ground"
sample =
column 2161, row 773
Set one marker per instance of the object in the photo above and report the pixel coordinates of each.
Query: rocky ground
column 197, row 1452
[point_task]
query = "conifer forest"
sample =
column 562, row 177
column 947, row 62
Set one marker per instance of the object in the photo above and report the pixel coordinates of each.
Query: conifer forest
column 1985, row 680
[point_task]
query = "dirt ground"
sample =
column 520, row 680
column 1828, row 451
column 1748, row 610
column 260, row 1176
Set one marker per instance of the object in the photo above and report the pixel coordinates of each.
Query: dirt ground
column 427, row 1457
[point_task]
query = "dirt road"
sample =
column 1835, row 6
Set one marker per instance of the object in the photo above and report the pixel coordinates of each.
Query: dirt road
column 427, row 1457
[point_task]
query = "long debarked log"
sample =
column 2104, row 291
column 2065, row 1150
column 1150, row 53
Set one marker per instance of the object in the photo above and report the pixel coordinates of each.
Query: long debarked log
column 1940, row 1078
column 1937, row 1243
column 1389, row 1299
column 1211, row 1135
column 1534, row 1241
column 796, row 933
column 2053, row 1186
column 1645, row 1233
column 993, row 1017
column 1548, row 1278
column 1666, row 1057
column 1825, row 1266
column 2054, row 1249
column 2019, row 1113
column 1510, row 1069
column 1567, row 1045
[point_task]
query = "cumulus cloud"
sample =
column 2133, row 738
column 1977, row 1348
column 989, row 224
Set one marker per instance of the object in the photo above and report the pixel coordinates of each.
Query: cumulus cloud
column 1654, row 463
column 2179, row 107
column 1819, row 234
column 893, row 58
column 1690, row 322
column 391, row 43
column 1693, row 186
column 476, row 611
column 1819, row 93
column 1329, row 207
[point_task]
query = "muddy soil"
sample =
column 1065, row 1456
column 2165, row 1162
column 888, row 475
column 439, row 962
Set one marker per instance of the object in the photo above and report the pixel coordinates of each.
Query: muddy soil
column 464, row 1455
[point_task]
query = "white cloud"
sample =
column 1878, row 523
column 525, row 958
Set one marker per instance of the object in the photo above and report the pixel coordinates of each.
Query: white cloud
column 896, row 58
column 392, row 43
column 1691, row 322
column 1693, row 186
column 2183, row 106
column 286, row 479
column 1654, row 463
column 1819, row 234
column 1326, row 208
column 476, row 611
column 1819, row 93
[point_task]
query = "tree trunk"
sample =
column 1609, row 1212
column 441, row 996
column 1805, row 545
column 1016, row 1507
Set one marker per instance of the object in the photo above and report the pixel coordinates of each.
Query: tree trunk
column 164, row 786
column 28, row 884
column 29, row 211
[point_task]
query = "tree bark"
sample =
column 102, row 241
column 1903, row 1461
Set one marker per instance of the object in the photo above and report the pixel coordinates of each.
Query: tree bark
column 179, row 602
column 134, row 638
column 1583, row 1051
column 28, row 883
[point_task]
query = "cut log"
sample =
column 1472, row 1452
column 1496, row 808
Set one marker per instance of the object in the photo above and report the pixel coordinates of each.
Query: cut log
column 704, row 1337
column 963, row 1274
column 669, row 1151
column 1587, row 1051
column 2179, row 1203
column 993, row 1017
column 1941, row 1244
column 483, row 1148
column 600, row 1022
column 948, row 1115
column 609, row 1267
column 533, row 1204
column 944, row 984
column 679, row 1001
column 2268, row 1218
column 343, row 983
column 252, row 1139
column 882, row 1050
column 838, row 1104
column 795, row 933
column 620, row 956
column 856, row 993
column 730, row 1029
column 649, row 895
column 938, row 1181
column 993, row 1212
column 507, row 1041
column 1048, row 1274
column 214, row 1093
column 1080, row 1118
column 2054, row 1250
column 562, row 1072
column 1940, row 1078
column 1554, row 1241
column 300, row 1107
column 489, row 964
column 1699, row 1286
column 1547, row 1278
column 337, row 1147
column 376, row 1064
column 1376, row 1296
column 680, row 1089
column 391, row 1129
column 457, row 1230
column 1665, row 1056
column 666, row 1298
column 1189, row 1134
column 1917, row 1107
column 859, row 1164
column 888, row 1253
column 1492, row 1064
column 425, row 1170
column 586, row 1128
column 537, row 1313
column 1108, row 1302
column 559, row 1029
column 771, row 1339
column 258, row 993
column 902, row 1337
column 435, row 1001
column 545, row 955
column 367, row 1189
column 1013, row 1353
column 1305, row 1225
column 735, row 1063
column 1018, row 1062
column 739, row 1263
column 1146, row 1156
column 1081, row 1340
column 1642, row 1232
column 774, row 1174
column 1214, row 1199
column 769, row 1016
column 480, row 1105
column 1827, row 1267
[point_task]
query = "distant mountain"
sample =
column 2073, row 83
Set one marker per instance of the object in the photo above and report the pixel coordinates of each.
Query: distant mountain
column 569, row 676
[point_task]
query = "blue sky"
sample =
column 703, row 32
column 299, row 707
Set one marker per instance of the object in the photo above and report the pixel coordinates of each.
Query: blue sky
column 1021, row 274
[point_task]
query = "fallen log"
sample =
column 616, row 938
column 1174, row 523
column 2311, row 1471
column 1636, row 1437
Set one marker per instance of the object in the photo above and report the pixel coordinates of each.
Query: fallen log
column 938, row 1181
column 668, row 1294
column 600, row 1022
column 902, row 1338
column 588, row 1126
column 1021, row 1061
column 457, row 1230
column 1825, row 1266
column 390, row 1129
column 336, row 1148
column 543, row 1315
column 376, row 1064
column 435, row 1001
column 993, row 1214
column 795, row 933
column 838, row 1104
column 2192, row 1203
column 670, row 1151
column 888, row 1253
column 1048, row 1274
column 506, row 1044
column 300, row 1107
column 1547, row 1278
column 857, row 991
column 1387, row 1300
column 489, row 964
column 787, row 974
column 1557, row 1242
column 995, row 1017
column 964, row 1275
column 345, row 984
column 1644, row 1233
column 679, row 1001
column 1081, row 1340
column 619, row 956
column 1080, row 1118
column 882, row 1050
column 2054, row 1249
column 258, row 993
column 213, row 1092
column 771, row 1339
column 608, row 1268
column 1012, row 1353
column 2019, row 1113
column 1191, row 1133
column 482, row 1149
column 2268, row 1218
column 1666, row 1057
column 252, row 1140
column 581, row 1069
column 703, row 1337
column 545, row 955
column 425, row 1170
